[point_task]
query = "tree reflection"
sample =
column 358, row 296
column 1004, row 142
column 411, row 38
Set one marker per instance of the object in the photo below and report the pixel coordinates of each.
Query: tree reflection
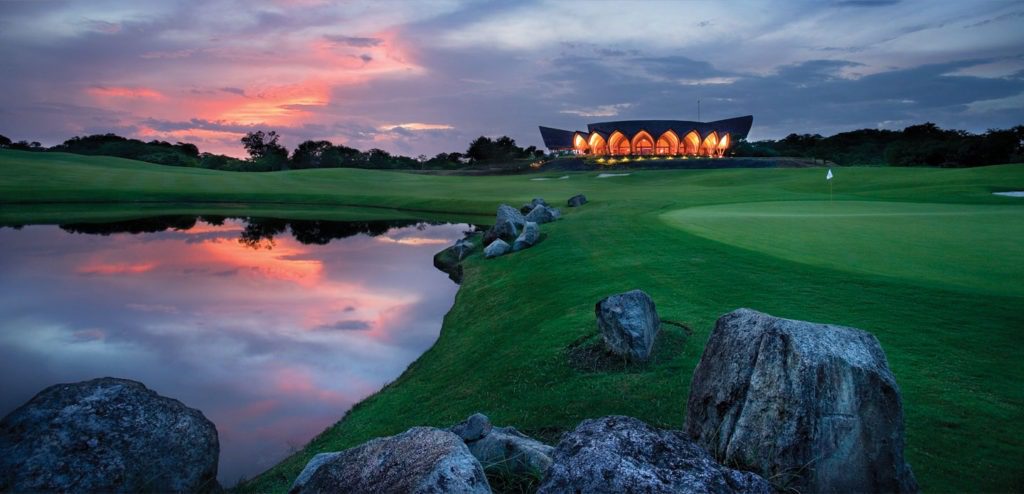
column 258, row 233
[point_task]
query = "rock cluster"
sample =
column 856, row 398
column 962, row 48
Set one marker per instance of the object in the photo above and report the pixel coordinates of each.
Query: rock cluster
column 107, row 435
column 629, row 324
column 422, row 460
column 622, row 454
column 516, row 231
column 813, row 406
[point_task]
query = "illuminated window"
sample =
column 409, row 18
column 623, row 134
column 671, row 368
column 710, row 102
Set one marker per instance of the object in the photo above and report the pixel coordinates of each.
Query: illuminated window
column 723, row 145
column 598, row 146
column 618, row 144
column 580, row 145
column 691, row 143
column 643, row 143
column 668, row 143
column 710, row 145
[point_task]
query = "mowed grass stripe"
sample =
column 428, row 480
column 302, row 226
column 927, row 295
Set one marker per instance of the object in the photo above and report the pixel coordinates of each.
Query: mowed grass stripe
column 974, row 247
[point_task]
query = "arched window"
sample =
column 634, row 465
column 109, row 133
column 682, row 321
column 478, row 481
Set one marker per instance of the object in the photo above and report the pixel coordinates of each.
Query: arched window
column 643, row 143
column 723, row 145
column 668, row 143
column 710, row 145
column 618, row 144
column 598, row 146
column 579, row 144
column 691, row 143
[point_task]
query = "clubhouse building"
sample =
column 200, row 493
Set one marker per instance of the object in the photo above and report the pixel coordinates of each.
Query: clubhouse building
column 650, row 137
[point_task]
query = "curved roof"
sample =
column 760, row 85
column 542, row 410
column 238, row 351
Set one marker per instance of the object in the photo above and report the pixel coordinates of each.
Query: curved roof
column 737, row 128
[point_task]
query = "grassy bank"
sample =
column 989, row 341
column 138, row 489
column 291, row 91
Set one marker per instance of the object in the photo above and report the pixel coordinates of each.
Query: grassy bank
column 701, row 242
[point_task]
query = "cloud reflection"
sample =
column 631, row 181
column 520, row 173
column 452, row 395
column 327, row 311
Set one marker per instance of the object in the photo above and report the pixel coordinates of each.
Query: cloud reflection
column 273, row 345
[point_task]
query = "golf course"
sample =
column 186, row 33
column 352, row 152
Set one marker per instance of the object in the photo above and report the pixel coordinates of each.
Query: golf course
column 928, row 260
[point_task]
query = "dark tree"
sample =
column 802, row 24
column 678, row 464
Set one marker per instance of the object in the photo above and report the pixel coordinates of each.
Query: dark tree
column 5, row 142
column 265, row 153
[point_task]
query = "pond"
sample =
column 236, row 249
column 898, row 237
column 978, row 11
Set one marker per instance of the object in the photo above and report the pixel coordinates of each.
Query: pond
column 272, row 328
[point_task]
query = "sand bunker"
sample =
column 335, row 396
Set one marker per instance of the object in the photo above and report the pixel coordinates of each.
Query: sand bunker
column 606, row 175
column 563, row 177
column 1012, row 193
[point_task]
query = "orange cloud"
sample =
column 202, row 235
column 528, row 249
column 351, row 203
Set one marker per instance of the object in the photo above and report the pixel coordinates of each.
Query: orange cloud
column 125, row 92
column 108, row 269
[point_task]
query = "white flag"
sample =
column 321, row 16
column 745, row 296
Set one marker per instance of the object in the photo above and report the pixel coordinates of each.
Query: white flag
column 829, row 175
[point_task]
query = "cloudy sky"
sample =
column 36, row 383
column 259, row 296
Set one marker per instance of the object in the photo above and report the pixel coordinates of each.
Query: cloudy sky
column 425, row 77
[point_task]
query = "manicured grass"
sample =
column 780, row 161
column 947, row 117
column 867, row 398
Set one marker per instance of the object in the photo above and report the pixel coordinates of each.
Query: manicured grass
column 974, row 247
column 950, row 326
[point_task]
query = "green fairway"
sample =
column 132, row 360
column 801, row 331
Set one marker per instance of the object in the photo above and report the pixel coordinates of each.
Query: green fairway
column 955, row 245
column 928, row 260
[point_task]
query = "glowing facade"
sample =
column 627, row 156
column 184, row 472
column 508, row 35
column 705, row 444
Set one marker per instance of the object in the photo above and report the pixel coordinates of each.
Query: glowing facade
column 650, row 137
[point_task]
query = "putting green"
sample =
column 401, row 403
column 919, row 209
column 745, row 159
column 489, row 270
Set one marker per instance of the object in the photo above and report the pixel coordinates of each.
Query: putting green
column 974, row 247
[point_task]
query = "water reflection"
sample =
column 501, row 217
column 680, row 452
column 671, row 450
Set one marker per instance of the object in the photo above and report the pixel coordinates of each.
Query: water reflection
column 272, row 328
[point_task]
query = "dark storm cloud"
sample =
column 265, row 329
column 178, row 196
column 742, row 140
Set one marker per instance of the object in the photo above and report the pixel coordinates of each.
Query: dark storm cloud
column 351, row 325
column 356, row 41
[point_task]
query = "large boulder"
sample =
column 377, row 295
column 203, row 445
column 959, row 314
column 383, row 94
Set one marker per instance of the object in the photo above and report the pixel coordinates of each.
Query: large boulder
column 529, row 237
column 504, row 229
column 629, row 324
column 543, row 214
column 503, row 449
column 450, row 260
column 813, row 406
column 497, row 248
column 506, row 212
column 422, row 460
column 577, row 200
column 107, row 435
column 318, row 460
column 625, row 455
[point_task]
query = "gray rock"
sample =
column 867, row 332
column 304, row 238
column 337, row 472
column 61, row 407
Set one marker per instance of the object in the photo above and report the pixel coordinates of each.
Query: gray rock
column 506, row 212
column 538, row 201
column 422, row 460
column 507, row 450
column 507, row 224
column 107, row 435
column 526, row 208
column 462, row 248
column 813, row 406
column 311, row 467
column 543, row 214
column 473, row 428
column 506, row 230
column 629, row 324
column 625, row 455
column 497, row 248
column 529, row 237
column 577, row 200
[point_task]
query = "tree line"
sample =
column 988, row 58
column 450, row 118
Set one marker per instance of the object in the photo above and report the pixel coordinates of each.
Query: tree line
column 266, row 153
column 917, row 145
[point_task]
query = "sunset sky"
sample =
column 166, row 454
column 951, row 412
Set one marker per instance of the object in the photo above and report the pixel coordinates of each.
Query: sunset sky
column 425, row 77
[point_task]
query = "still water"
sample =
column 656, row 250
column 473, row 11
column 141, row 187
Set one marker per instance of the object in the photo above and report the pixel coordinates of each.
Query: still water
column 272, row 328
